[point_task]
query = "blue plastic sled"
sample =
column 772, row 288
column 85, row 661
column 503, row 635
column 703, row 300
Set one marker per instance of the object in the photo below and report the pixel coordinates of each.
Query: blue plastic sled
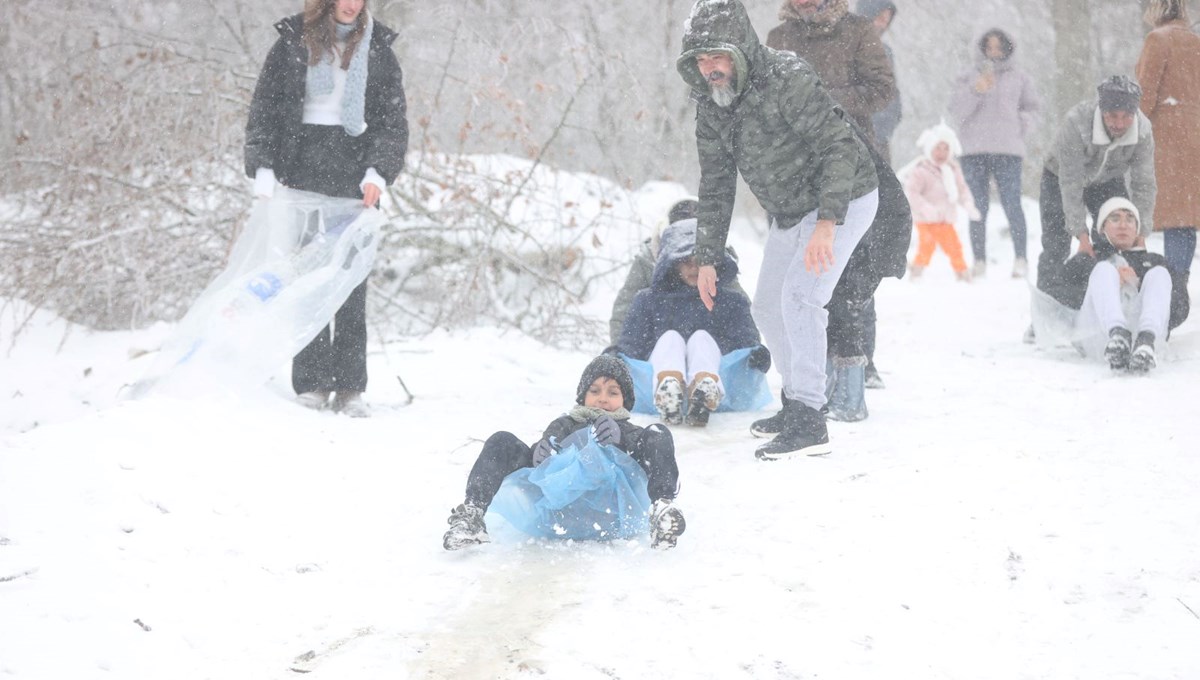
column 585, row 492
column 745, row 388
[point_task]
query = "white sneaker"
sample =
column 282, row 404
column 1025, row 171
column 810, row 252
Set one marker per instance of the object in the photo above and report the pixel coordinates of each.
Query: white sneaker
column 316, row 401
column 351, row 404
column 1020, row 268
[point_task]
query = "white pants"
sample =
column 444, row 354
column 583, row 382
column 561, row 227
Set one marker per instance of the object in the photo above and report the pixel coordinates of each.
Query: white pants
column 789, row 304
column 1105, row 306
column 697, row 354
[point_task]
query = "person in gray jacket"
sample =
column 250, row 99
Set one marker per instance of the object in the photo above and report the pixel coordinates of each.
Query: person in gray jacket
column 764, row 113
column 1105, row 148
column 993, row 108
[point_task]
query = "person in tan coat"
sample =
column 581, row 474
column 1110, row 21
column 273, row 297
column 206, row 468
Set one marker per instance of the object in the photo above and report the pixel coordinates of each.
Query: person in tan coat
column 845, row 51
column 1169, row 73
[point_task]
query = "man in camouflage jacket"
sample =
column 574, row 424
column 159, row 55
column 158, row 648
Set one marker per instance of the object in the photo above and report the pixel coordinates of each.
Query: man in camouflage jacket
column 765, row 113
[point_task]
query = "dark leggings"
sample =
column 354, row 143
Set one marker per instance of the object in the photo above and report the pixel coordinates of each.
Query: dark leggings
column 503, row 454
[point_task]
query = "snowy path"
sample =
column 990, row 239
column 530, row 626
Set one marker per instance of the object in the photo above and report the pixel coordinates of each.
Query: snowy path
column 1004, row 513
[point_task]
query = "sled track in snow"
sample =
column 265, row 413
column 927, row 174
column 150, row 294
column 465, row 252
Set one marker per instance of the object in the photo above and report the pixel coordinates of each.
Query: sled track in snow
column 493, row 635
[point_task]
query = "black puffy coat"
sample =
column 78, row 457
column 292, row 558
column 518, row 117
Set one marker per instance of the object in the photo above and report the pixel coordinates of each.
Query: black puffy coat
column 1077, row 270
column 882, row 253
column 277, row 109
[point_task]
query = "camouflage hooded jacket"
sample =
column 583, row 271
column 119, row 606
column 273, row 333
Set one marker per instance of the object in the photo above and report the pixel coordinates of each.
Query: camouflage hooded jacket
column 784, row 133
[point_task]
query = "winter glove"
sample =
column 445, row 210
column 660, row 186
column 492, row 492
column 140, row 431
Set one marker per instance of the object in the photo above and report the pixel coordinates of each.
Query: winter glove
column 541, row 451
column 760, row 359
column 607, row 431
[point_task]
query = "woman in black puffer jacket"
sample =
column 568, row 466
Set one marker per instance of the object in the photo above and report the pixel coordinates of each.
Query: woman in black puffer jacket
column 328, row 116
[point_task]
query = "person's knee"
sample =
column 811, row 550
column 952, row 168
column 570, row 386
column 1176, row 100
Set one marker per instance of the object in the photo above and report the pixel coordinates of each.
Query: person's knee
column 1157, row 275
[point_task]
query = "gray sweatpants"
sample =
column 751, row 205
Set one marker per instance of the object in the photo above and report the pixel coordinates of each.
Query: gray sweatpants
column 789, row 304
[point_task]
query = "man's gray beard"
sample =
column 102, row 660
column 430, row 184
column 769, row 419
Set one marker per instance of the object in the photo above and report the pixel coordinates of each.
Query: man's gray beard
column 723, row 94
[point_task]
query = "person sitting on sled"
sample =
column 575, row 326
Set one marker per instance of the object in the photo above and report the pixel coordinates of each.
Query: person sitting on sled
column 681, row 352
column 1127, row 297
column 603, row 401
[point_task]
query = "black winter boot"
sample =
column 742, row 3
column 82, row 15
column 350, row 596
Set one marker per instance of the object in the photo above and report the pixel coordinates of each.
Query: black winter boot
column 1117, row 349
column 466, row 528
column 769, row 427
column 1143, row 358
column 804, row 433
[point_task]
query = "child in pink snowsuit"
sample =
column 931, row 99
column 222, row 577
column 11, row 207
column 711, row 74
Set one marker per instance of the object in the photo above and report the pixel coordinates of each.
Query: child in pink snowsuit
column 936, row 190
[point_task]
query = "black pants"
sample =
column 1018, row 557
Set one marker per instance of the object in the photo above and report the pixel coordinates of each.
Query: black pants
column 330, row 163
column 1056, row 239
column 503, row 454
column 337, row 358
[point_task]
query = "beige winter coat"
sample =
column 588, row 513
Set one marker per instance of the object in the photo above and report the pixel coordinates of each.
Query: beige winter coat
column 1169, row 73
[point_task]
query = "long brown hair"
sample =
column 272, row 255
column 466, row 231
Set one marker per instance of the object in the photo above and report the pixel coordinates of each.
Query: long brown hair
column 1159, row 12
column 319, row 31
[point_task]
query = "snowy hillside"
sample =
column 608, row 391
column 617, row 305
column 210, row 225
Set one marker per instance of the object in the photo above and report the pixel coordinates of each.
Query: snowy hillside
column 1005, row 513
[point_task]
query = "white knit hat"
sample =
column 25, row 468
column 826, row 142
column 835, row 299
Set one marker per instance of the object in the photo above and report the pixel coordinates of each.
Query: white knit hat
column 939, row 133
column 1112, row 205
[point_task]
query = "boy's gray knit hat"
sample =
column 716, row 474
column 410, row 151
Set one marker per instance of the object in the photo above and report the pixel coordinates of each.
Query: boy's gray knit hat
column 1119, row 93
column 606, row 366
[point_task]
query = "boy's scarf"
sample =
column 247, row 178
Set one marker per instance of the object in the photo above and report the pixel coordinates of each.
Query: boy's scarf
column 320, row 79
column 583, row 414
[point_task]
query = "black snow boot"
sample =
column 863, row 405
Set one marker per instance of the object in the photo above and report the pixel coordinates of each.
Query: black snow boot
column 1117, row 349
column 666, row 525
column 769, row 427
column 804, row 433
column 1143, row 359
column 466, row 528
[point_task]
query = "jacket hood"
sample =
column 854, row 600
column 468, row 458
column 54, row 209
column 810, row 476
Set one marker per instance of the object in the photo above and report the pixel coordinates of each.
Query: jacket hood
column 719, row 26
column 829, row 12
column 939, row 133
column 872, row 8
column 678, row 242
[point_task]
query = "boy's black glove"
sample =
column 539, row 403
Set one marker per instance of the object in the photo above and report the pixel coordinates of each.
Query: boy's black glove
column 760, row 359
column 541, row 451
column 607, row 431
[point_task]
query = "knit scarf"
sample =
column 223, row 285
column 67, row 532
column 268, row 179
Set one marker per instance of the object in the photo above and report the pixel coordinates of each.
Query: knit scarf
column 583, row 414
column 320, row 78
column 828, row 13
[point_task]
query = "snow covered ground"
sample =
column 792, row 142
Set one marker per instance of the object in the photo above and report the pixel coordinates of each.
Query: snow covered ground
column 1005, row 513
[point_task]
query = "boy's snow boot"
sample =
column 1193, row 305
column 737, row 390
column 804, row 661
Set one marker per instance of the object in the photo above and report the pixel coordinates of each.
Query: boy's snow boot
column 317, row 401
column 1117, row 349
column 769, row 427
column 466, row 528
column 804, row 433
column 979, row 269
column 848, row 401
column 1143, row 358
column 873, row 379
column 666, row 524
column 704, row 396
column 668, row 397
column 351, row 404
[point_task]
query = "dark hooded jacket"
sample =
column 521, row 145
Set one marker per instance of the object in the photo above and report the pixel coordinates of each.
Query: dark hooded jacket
column 277, row 109
column 670, row 304
column 791, row 142
column 847, row 54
